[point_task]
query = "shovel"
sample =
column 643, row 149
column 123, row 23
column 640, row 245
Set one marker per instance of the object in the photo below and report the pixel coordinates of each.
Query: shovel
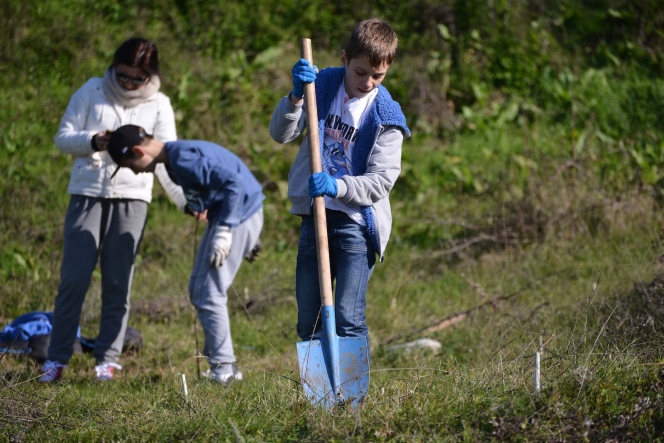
column 333, row 369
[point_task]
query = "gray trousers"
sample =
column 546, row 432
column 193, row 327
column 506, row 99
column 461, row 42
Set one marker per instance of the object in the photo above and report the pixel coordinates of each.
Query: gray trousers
column 109, row 229
column 208, row 288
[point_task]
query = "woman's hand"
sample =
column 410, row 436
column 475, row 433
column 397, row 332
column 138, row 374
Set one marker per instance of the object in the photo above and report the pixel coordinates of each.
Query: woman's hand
column 100, row 140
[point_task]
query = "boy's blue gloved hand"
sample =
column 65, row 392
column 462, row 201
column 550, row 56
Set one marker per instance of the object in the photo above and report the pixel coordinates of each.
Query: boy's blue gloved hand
column 302, row 73
column 322, row 183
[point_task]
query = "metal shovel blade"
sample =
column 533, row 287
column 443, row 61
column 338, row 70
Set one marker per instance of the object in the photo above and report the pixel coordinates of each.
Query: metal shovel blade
column 316, row 371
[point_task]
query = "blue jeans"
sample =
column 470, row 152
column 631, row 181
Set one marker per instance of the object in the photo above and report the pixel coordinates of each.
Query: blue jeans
column 352, row 259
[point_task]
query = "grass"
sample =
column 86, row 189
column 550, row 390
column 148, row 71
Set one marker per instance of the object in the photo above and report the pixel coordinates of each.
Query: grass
column 566, row 260
column 532, row 220
column 601, row 375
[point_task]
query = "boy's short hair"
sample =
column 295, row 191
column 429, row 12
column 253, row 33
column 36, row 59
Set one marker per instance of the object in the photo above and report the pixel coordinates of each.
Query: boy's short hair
column 374, row 39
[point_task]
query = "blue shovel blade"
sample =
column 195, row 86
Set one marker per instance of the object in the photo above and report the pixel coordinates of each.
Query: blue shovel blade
column 316, row 371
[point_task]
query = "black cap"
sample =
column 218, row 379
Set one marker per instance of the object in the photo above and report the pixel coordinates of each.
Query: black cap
column 122, row 141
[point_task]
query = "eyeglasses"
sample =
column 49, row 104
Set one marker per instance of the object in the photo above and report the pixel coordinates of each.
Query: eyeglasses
column 136, row 81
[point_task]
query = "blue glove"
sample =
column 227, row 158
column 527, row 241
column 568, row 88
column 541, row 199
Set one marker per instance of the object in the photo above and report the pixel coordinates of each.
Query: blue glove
column 302, row 73
column 322, row 183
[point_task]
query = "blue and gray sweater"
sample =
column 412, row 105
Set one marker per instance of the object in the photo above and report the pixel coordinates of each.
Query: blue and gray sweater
column 376, row 154
column 214, row 178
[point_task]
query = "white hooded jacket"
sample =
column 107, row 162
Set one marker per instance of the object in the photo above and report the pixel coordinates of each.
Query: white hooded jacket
column 88, row 113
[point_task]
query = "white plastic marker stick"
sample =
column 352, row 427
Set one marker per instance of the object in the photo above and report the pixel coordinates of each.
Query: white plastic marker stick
column 537, row 366
column 184, row 387
column 537, row 372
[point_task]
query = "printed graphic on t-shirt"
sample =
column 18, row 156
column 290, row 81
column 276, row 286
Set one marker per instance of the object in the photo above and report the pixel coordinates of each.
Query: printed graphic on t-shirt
column 335, row 161
column 343, row 119
column 338, row 137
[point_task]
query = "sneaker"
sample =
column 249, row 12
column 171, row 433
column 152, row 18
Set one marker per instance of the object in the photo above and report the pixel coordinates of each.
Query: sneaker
column 51, row 371
column 225, row 373
column 105, row 371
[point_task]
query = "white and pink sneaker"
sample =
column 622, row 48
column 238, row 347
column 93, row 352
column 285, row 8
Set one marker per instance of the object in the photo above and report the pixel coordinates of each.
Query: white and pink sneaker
column 105, row 371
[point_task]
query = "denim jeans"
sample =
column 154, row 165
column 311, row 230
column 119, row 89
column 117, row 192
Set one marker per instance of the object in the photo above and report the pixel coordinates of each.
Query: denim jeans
column 352, row 259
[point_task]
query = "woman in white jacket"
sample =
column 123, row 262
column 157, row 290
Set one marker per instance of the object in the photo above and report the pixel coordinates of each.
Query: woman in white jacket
column 107, row 212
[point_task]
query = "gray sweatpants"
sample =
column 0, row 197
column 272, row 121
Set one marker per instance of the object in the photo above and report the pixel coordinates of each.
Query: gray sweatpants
column 110, row 229
column 208, row 288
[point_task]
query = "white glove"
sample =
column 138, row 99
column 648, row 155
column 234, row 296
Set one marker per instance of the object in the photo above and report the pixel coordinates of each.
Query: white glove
column 222, row 238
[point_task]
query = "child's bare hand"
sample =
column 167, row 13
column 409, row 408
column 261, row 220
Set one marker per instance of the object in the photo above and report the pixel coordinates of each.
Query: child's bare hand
column 255, row 252
column 201, row 216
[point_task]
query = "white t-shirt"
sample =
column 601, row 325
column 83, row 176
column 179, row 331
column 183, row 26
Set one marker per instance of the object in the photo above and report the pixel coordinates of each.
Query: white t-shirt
column 341, row 130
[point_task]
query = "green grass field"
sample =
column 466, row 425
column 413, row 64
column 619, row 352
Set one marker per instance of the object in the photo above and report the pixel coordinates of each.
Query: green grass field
column 527, row 216
column 601, row 365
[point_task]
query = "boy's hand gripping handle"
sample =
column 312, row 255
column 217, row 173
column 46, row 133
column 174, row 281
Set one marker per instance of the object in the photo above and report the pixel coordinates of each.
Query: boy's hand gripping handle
column 320, row 222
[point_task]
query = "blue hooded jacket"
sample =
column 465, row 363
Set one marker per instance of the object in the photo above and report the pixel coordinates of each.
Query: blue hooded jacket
column 376, row 154
column 384, row 111
column 214, row 178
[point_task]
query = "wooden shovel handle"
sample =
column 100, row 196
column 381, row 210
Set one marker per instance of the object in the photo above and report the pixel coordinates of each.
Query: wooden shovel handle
column 320, row 222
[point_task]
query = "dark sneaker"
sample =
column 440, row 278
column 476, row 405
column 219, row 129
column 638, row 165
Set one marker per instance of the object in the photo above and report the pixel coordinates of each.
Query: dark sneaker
column 51, row 371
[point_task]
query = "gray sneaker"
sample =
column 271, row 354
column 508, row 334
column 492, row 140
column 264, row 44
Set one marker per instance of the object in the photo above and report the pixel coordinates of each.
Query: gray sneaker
column 225, row 373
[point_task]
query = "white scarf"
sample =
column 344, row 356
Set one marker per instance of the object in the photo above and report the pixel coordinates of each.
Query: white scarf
column 126, row 98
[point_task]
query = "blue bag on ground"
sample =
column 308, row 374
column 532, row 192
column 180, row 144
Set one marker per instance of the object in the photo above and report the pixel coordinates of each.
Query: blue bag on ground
column 30, row 334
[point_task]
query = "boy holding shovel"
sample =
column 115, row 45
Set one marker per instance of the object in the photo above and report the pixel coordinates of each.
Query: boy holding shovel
column 218, row 186
column 361, row 131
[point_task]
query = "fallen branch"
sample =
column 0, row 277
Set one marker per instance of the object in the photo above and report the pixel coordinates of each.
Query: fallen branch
column 464, row 245
column 455, row 318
